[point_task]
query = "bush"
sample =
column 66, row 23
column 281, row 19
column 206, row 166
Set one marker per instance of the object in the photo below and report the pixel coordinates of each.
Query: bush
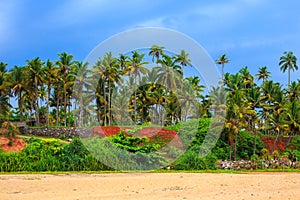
column 192, row 161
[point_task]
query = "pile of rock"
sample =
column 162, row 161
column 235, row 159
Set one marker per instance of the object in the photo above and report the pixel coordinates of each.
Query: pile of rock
column 236, row 165
column 281, row 163
column 58, row 132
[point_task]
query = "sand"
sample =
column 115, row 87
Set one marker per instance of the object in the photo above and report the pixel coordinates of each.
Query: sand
column 154, row 186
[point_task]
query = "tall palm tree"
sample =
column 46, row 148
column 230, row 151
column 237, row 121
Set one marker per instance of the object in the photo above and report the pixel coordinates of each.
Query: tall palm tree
column 65, row 62
column 156, row 51
column 50, row 76
column 113, row 76
column 4, row 87
column 4, row 91
column 194, row 82
column 99, row 70
column 81, row 87
column 288, row 62
column 293, row 116
column 222, row 61
column 123, row 63
column 293, row 91
column 263, row 74
column 247, row 78
column 19, row 86
column 183, row 59
column 169, row 73
column 136, row 68
column 35, row 75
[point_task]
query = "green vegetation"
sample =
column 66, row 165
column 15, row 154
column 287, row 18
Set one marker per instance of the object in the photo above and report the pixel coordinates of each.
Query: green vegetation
column 240, row 109
column 137, row 153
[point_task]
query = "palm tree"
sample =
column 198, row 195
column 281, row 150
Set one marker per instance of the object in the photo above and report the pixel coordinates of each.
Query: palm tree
column 293, row 91
column 183, row 59
column 156, row 51
column 81, row 85
column 169, row 73
column 237, row 110
column 288, row 62
column 65, row 62
column 35, row 75
column 4, row 91
column 100, row 70
column 123, row 63
column 263, row 74
column 254, row 98
column 113, row 76
column 19, row 86
column 4, row 87
column 247, row 78
column 221, row 61
column 50, row 75
column 136, row 68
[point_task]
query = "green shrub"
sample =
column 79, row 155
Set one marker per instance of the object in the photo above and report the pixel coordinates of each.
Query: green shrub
column 192, row 161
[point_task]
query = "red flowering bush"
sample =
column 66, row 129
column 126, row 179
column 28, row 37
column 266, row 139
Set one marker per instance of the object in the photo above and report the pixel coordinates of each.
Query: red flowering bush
column 156, row 135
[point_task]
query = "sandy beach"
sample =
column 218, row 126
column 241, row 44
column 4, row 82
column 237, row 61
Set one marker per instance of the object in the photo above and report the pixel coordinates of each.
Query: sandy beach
column 155, row 186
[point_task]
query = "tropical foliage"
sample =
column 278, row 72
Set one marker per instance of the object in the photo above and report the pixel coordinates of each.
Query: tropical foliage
column 128, row 90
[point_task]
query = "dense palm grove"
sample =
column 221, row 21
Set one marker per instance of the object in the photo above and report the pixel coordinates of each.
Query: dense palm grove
column 160, row 95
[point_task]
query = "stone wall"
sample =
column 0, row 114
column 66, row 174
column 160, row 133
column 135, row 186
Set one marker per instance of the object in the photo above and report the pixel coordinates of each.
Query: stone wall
column 58, row 132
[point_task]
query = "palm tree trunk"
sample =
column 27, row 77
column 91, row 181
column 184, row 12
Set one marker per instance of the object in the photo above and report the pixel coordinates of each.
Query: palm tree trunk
column 69, row 112
column 109, row 103
column 37, row 108
column 135, row 75
column 20, row 105
column 254, row 145
column 222, row 72
column 230, row 152
column 80, row 109
column 57, row 111
column 65, row 105
column 47, row 106
column 104, row 94
column 289, row 78
column 235, row 142
column 275, row 141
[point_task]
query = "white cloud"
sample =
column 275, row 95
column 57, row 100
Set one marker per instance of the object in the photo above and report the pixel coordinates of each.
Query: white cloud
column 166, row 22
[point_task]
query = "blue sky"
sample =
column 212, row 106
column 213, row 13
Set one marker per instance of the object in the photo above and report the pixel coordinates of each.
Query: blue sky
column 252, row 33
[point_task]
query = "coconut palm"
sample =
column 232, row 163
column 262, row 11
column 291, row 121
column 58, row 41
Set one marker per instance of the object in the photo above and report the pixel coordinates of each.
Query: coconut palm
column 65, row 62
column 4, row 91
column 293, row 116
column 237, row 110
column 263, row 74
column 4, row 86
column 19, row 86
column 50, row 76
column 169, row 73
column 293, row 91
column 136, row 68
column 156, row 51
column 123, row 63
column 221, row 61
column 81, row 86
column 247, row 78
column 183, row 59
column 35, row 76
column 288, row 62
column 194, row 82
column 99, row 77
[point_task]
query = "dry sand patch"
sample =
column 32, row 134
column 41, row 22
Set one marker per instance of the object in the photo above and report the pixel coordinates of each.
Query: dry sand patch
column 155, row 186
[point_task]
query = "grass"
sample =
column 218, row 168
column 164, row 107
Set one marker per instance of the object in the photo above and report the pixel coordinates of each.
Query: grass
column 46, row 139
column 218, row 171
